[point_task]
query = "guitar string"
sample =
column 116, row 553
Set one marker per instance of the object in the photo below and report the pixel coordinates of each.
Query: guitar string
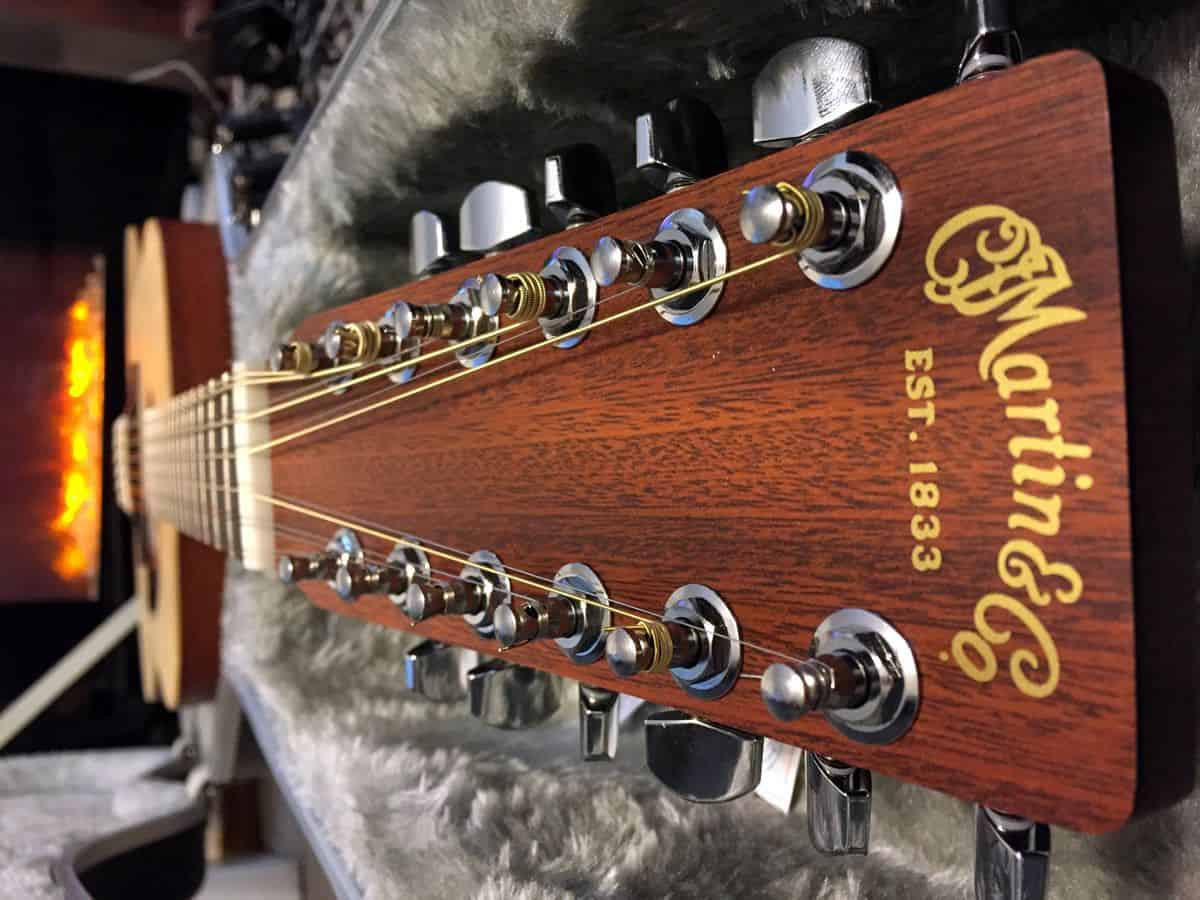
column 300, row 396
column 582, row 329
column 517, row 354
column 515, row 574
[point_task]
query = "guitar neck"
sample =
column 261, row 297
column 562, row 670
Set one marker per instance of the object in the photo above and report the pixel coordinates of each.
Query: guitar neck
column 185, row 463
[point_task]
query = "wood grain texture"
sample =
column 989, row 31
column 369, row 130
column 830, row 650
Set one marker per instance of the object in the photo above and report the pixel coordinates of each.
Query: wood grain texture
column 177, row 337
column 764, row 452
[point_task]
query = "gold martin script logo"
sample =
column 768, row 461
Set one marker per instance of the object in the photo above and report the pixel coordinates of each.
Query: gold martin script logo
column 1013, row 277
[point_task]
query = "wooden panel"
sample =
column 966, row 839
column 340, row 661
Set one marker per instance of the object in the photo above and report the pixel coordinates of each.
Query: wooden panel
column 765, row 452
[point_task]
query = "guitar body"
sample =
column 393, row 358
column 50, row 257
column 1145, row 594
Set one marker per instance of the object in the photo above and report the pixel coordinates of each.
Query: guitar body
column 176, row 337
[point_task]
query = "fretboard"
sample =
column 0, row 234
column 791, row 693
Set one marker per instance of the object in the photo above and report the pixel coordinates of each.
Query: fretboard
column 189, row 461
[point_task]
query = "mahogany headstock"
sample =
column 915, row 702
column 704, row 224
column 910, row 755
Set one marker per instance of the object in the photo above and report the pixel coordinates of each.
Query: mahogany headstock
column 971, row 445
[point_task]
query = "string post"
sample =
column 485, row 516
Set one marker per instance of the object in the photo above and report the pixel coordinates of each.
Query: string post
column 796, row 218
column 521, row 296
column 295, row 356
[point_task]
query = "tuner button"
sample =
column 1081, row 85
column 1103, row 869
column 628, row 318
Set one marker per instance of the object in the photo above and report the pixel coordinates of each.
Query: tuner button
column 1012, row 856
column 703, row 762
column 493, row 216
column 810, row 87
column 679, row 143
column 992, row 45
column 510, row 696
column 579, row 185
column 428, row 249
column 839, row 806
column 599, row 723
column 438, row 671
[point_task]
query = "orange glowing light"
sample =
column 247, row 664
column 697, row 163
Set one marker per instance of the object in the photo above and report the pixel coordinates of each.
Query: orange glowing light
column 78, row 521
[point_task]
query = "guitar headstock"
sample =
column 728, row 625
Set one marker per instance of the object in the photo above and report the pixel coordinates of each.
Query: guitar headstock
column 871, row 484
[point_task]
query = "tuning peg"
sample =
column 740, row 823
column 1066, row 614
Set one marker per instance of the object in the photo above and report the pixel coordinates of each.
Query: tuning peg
column 438, row 671
column 599, row 724
column 992, row 45
column 861, row 674
column 700, row 761
column 429, row 248
column 510, row 696
column 843, row 222
column 480, row 589
column 575, row 615
column 356, row 579
column 680, row 143
column 495, row 215
column 1012, row 856
column 579, row 184
column 562, row 297
column 697, row 641
column 297, row 356
column 839, row 806
column 319, row 567
column 810, row 87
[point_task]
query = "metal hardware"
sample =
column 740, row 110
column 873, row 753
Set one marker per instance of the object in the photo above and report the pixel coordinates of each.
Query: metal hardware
column 429, row 250
column 862, row 676
column 598, row 723
column 359, row 342
column 577, row 627
column 485, row 570
column 562, row 297
column 509, row 696
column 579, row 185
column 707, row 257
column 390, row 323
column 438, row 671
column 294, row 569
column 809, row 88
column 698, row 642
column 838, row 798
column 343, row 549
column 859, row 205
column 353, row 580
column 703, row 762
column 409, row 563
column 476, row 323
column 425, row 599
column 1012, row 856
column 679, row 144
column 569, row 267
column 296, row 356
column 648, row 263
column 495, row 215
column 992, row 44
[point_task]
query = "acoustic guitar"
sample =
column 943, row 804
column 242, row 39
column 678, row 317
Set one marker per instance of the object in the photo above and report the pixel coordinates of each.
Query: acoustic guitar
column 877, row 446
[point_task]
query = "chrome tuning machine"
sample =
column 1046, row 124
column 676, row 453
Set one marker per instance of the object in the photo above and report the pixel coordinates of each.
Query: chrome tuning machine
column 356, row 578
column 861, row 673
column 1012, row 856
column 687, row 249
column 679, row 143
column 438, row 671
column 991, row 42
column 575, row 615
column 300, row 357
column 843, row 222
column 697, row 641
column 579, row 185
column 482, row 587
column 562, row 297
column 599, row 723
column 509, row 696
column 838, row 806
column 701, row 761
column 343, row 549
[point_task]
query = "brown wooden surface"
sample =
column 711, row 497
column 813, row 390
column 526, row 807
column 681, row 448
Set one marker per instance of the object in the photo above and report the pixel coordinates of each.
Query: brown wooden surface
column 177, row 336
column 764, row 452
